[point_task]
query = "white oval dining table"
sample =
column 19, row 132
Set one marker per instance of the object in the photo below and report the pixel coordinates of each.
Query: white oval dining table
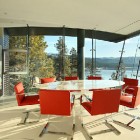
column 81, row 84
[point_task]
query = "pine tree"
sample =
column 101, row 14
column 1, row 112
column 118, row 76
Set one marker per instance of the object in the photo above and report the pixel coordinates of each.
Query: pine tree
column 36, row 59
column 39, row 63
column 62, row 62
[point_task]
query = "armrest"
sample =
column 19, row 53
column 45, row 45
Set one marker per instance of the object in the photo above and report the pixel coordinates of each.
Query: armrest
column 126, row 94
column 128, row 90
column 123, row 90
column 83, row 95
column 27, row 94
column 72, row 98
column 31, row 93
column 87, row 98
column 20, row 94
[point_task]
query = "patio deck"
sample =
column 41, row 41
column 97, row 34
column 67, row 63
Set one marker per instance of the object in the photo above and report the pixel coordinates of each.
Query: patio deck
column 10, row 116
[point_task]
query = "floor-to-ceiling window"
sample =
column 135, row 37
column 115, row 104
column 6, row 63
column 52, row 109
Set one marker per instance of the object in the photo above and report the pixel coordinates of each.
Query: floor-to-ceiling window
column 27, row 60
column 1, row 42
column 63, row 50
column 18, row 67
column 0, row 70
column 106, row 57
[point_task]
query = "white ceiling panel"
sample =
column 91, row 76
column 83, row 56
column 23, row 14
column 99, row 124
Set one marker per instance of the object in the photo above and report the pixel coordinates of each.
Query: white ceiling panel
column 115, row 16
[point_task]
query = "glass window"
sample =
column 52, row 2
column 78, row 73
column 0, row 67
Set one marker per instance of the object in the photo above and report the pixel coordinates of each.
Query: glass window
column 17, row 55
column 0, row 70
column 18, row 61
column 107, row 57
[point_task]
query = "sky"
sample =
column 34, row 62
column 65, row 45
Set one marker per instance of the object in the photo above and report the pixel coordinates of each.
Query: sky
column 103, row 48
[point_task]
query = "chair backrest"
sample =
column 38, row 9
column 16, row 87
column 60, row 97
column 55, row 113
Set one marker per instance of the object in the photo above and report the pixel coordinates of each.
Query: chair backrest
column 55, row 102
column 130, row 82
column 105, row 101
column 94, row 78
column 47, row 80
column 19, row 90
column 71, row 78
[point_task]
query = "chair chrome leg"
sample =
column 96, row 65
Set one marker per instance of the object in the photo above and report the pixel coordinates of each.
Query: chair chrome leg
column 101, row 132
column 43, row 130
column 26, row 117
column 112, row 128
column 52, row 132
column 133, row 116
column 125, row 125
column 73, row 127
column 90, row 137
column 73, row 117
column 60, row 133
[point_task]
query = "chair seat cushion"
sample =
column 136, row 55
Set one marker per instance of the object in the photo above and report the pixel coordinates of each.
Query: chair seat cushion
column 30, row 100
column 129, row 90
column 87, row 106
column 126, row 100
column 127, row 94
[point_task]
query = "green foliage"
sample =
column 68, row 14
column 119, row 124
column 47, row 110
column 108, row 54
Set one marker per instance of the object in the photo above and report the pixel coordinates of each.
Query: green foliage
column 36, row 59
column 39, row 63
column 67, row 66
column 17, row 60
column 62, row 62
column 73, row 58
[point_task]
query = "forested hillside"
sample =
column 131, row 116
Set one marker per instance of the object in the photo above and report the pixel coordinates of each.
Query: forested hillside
column 111, row 62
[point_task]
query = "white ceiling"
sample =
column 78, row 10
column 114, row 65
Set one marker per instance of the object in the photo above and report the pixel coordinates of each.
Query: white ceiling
column 115, row 16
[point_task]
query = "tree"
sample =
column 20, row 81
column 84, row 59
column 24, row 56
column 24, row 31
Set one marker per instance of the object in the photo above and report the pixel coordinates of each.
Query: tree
column 39, row 63
column 73, row 61
column 17, row 60
column 121, row 72
column 36, row 59
column 62, row 62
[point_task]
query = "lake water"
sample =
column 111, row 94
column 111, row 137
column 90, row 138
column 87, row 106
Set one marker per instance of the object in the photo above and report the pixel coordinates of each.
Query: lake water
column 106, row 74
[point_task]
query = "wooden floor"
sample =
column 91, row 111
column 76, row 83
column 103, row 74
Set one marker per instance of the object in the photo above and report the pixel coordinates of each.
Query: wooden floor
column 11, row 115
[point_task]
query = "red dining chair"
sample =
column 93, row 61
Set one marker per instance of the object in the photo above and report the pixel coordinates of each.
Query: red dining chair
column 103, row 101
column 130, row 102
column 94, row 78
column 55, row 102
column 71, row 78
column 47, row 80
column 127, row 87
column 24, row 100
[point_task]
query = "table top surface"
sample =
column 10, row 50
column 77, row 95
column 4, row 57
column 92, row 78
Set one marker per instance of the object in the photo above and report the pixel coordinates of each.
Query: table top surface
column 81, row 84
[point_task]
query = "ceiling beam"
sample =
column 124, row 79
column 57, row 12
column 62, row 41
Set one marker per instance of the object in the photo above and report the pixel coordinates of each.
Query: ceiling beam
column 58, row 31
